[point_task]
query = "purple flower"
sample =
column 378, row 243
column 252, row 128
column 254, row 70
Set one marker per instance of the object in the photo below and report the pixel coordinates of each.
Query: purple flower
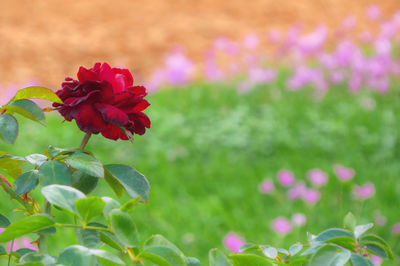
column 267, row 186
column 251, row 41
column 299, row 219
column 317, row 177
column 376, row 260
column 314, row 41
column 343, row 173
column 179, row 70
column 373, row 12
column 281, row 226
column 297, row 191
column 311, row 196
column 233, row 242
column 364, row 192
column 396, row 229
column 285, row 178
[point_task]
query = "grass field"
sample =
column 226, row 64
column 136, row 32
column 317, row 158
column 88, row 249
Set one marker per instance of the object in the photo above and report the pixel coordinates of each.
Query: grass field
column 210, row 147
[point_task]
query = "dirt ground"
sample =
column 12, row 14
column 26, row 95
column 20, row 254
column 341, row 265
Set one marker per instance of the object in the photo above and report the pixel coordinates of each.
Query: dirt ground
column 47, row 40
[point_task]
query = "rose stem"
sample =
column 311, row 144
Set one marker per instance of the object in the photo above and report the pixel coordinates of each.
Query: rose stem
column 85, row 141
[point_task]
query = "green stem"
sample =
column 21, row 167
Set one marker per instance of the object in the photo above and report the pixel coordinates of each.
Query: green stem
column 83, row 227
column 15, row 196
column 11, row 251
column 85, row 141
column 43, row 238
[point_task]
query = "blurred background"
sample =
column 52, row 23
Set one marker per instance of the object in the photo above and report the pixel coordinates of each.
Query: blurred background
column 269, row 118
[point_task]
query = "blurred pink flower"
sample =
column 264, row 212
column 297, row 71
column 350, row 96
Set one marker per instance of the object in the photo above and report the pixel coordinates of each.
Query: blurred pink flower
column 364, row 192
column 349, row 23
column 281, row 226
column 156, row 80
column 274, row 36
column 22, row 242
column 179, row 70
column 396, row 229
column 251, row 41
column 233, row 242
column 355, row 81
column 373, row 12
column 311, row 196
column 379, row 219
column 297, row 191
column 366, row 37
column 343, row 173
column 298, row 219
column 267, row 186
column 376, row 260
column 243, row 86
column 317, row 177
column 314, row 41
column 260, row 75
column 336, row 77
column 285, row 178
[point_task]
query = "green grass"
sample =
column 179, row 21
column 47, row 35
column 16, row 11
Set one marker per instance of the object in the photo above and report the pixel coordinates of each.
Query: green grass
column 209, row 148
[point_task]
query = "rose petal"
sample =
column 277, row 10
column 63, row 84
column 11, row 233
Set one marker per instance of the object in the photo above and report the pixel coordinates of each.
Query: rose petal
column 74, row 101
column 141, row 106
column 112, row 114
column 114, row 132
column 85, row 75
column 88, row 118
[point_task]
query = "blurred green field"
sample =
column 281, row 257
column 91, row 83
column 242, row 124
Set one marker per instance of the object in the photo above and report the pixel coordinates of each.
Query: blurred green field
column 210, row 147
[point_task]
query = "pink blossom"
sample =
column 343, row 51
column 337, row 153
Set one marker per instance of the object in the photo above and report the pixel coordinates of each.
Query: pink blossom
column 366, row 37
column 364, row 192
column 297, row 191
column 311, row 196
column 396, row 229
column 281, row 226
column 285, row 178
column 317, row 177
column 355, row 81
column 379, row 219
column 349, row 23
column 343, row 173
column 260, row 75
column 299, row 219
column 373, row 12
column 233, row 242
column 179, row 70
column 156, row 80
column 274, row 36
column 251, row 41
column 267, row 186
column 314, row 41
column 376, row 260
column 336, row 77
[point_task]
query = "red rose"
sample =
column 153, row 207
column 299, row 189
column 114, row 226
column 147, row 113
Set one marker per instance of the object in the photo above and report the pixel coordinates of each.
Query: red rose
column 104, row 101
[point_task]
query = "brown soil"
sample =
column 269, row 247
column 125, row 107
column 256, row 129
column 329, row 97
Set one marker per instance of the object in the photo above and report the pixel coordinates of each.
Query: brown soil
column 49, row 39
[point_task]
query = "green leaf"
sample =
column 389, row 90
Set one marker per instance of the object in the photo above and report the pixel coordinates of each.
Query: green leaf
column 54, row 172
column 63, row 196
column 123, row 227
column 114, row 184
column 359, row 230
column 111, row 240
column 54, row 152
column 90, row 207
column 28, row 109
column 249, row 259
column 330, row 256
column 29, row 224
column 332, row 233
column 295, row 248
column 8, row 128
column 376, row 248
column 217, row 258
column 83, row 182
column 134, row 182
column 350, row 221
column 192, row 262
column 88, row 238
column 36, row 92
column 3, row 251
column 22, row 251
column 248, row 247
column 269, row 251
column 76, row 256
column 36, row 159
column 46, row 260
column 26, row 182
column 86, row 163
column 283, row 251
column 163, row 256
column 11, row 167
column 106, row 256
column 4, row 222
column 358, row 260
column 377, row 239
column 343, row 241
column 130, row 205
column 110, row 205
column 313, row 248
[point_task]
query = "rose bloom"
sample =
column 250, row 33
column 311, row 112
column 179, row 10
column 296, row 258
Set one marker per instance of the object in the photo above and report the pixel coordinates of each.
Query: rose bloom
column 104, row 100
column 233, row 242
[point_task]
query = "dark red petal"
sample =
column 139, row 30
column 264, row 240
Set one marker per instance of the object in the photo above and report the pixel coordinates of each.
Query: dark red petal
column 65, row 111
column 141, row 106
column 88, row 118
column 113, row 132
column 138, row 90
column 74, row 101
column 106, row 73
column 126, row 73
column 112, row 114
column 85, row 75
column 120, row 83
